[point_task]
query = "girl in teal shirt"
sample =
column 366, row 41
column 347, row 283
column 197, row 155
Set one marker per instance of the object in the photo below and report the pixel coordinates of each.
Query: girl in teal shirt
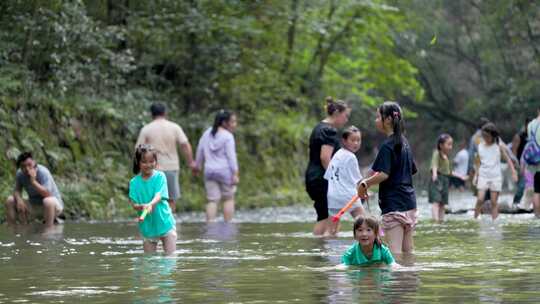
column 368, row 248
column 148, row 190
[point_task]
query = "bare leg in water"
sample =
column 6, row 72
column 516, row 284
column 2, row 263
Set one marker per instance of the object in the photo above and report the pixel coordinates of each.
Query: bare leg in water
column 494, row 207
column 228, row 209
column 211, row 211
column 321, row 227
column 479, row 202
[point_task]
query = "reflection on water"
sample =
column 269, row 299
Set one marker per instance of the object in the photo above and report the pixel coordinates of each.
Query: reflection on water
column 153, row 280
column 252, row 261
column 221, row 231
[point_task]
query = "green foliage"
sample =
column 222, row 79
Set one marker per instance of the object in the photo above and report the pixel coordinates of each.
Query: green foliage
column 474, row 58
column 77, row 78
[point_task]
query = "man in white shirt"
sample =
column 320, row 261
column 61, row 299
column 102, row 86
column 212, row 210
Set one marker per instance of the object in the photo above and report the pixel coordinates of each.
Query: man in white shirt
column 165, row 136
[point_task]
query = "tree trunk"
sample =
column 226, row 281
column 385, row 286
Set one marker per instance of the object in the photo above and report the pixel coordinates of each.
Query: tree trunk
column 291, row 32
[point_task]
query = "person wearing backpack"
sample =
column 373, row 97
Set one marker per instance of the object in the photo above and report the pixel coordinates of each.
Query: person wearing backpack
column 531, row 156
column 518, row 145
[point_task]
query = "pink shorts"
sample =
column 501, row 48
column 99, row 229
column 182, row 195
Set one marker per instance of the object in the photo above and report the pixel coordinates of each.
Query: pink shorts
column 407, row 219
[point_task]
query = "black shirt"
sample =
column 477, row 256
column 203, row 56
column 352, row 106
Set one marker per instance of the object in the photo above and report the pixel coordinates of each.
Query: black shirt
column 322, row 134
column 396, row 193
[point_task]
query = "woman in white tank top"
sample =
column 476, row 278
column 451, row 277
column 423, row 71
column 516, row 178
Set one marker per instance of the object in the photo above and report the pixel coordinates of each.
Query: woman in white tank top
column 489, row 176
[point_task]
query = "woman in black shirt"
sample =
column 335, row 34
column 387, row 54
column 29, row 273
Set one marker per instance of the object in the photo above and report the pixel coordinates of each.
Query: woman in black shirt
column 323, row 143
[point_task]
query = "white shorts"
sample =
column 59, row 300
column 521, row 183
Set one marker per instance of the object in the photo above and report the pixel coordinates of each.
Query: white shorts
column 492, row 184
column 155, row 240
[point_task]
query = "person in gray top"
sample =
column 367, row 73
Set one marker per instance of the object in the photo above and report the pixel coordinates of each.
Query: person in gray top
column 44, row 199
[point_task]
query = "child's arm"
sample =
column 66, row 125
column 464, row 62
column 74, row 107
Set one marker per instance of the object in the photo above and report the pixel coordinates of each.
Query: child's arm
column 434, row 173
column 151, row 204
column 154, row 201
column 509, row 161
column 476, row 168
column 364, row 184
column 434, row 166
column 136, row 206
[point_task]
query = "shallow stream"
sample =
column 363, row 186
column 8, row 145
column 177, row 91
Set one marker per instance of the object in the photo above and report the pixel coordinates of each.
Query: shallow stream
column 270, row 256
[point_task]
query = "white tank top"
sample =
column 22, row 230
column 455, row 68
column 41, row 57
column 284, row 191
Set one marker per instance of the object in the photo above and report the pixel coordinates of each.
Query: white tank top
column 490, row 160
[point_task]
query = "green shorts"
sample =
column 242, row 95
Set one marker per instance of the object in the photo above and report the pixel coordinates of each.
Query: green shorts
column 438, row 190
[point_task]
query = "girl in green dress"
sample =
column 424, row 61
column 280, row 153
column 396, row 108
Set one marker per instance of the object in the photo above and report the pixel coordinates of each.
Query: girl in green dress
column 440, row 177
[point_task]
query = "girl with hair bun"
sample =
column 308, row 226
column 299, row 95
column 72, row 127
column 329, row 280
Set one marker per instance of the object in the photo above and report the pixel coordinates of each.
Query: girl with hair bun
column 323, row 143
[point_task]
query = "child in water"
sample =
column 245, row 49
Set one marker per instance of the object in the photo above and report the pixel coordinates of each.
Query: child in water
column 343, row 174
column 148, row 190
column 394, row 167
column 489, row 175
column 440, row 177
column 368, row 248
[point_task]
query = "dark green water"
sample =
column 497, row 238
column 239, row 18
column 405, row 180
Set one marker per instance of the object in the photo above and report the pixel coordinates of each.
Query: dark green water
column 269, row 262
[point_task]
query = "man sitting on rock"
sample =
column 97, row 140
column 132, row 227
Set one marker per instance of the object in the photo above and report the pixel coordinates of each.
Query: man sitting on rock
column 44, row 200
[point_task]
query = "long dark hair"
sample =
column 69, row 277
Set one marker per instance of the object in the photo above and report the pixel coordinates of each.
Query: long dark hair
column 393, row 110
column 372, row 223
column 139, row 153
column 491, row 129
column 442, row 139
column 221, row 117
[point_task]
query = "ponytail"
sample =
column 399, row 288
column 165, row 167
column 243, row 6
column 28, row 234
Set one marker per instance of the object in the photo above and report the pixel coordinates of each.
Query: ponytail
column 221, row 117
column 393, row 110
column 397, row 125
column 139, row 154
